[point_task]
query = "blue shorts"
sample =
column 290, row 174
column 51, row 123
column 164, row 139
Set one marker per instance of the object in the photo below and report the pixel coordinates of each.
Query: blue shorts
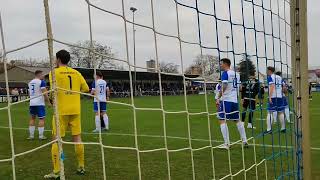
column 39, row 111
column 228, row 111
column 103, row 106
column 284, row 101
column 276, row 105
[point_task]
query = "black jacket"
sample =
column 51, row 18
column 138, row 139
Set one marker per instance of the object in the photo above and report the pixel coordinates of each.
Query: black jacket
column 250, row 89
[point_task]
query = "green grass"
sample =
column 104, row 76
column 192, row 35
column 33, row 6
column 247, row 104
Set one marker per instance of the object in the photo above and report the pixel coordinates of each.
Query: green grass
column 123, row 163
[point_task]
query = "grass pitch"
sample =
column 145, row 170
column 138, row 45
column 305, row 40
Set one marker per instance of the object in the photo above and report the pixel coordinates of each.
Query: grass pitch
column 272, row 154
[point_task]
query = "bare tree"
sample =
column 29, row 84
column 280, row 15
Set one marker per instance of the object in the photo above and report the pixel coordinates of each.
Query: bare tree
column 83, row 57
column 206, row 65
column 168, row 67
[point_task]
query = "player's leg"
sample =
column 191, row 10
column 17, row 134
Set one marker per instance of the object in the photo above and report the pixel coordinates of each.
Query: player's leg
column 252, row 108
column 79, row 150
column 271, row 109
column 234, row 115
column 275, row 117
column 287, row 113
column 280, row 109
column 41, row 128
column 282, row 121
column 75, row 124
column 103, row 109
column 32, row 120
column 280, row 112
column 223, row 125
column 55, row 157
column 244, row 110
column 97, row 117
column 41, row 116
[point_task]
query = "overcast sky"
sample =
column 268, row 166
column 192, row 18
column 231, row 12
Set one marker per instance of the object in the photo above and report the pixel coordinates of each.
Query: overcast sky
column 24, row 23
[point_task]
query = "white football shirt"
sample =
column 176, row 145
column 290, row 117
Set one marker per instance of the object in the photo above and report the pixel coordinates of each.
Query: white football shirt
column 277, row 81
column 232, row 79
column 100, row 86
column 35, row 92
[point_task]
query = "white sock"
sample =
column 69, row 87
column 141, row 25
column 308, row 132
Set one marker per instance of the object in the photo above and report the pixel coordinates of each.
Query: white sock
column 275, row 116
column 242, row 131
column 106, row 120
column 41, row 130
column 98, row 125
column 225, row 133
column 269, row 121
column 31, row 130
column 287, row 112
column 282, row 121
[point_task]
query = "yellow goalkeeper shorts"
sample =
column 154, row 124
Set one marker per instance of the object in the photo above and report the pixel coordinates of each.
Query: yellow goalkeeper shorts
column 68, row 121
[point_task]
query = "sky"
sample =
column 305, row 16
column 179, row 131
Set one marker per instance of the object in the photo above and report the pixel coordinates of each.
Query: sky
column 24, row 23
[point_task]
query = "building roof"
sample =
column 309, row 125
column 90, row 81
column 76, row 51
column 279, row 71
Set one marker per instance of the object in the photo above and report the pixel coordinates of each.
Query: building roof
column 33, row 69
column 87, row 73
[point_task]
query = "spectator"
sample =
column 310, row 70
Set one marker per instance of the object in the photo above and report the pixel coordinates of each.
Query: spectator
column 15, row 94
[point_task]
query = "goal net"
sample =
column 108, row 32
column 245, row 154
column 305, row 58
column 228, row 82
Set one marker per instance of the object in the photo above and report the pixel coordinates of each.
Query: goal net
column 163, row 122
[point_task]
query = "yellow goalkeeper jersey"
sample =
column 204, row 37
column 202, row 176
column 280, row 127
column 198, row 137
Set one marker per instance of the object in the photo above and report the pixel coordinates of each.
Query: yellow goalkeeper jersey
column 69, row 79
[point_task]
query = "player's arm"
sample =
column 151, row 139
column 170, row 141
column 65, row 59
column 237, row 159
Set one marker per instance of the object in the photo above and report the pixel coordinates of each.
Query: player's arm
column 284, row 88
column 44, row 92
column 224, row 84
column 93, row 88
column 84, row 86
column 108, row 93
column 271, row 87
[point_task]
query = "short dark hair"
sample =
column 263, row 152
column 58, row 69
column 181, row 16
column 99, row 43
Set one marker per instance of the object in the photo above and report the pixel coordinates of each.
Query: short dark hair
column 99, row 74
column 279, row 73
column 226, row 61
column 38, row 72
column 270, row 68
column 64, row 56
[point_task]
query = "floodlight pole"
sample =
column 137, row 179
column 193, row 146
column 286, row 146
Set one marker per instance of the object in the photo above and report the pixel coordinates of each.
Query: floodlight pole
column 133, row 9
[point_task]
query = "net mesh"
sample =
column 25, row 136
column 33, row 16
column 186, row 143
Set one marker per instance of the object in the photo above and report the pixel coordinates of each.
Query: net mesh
column 258, row 30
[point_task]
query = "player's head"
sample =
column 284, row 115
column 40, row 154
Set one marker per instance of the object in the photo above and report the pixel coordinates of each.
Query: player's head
column 278, row 73
column 63, row 57
column 99, row 75
column 38, row 74
column 225, row 64
column 270, row 70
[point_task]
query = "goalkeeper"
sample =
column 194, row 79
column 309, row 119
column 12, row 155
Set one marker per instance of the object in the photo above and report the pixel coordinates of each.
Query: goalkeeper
column 68, row 104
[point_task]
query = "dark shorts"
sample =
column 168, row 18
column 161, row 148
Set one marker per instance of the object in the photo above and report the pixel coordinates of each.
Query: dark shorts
column 276, row 105
column 103, row 106
column 228, row 111
column 285, row 101
column 39, row 111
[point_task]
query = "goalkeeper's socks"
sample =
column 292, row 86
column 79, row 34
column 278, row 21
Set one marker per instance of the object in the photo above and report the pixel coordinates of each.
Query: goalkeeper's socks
column 106, row 120
column 41, row 130
column 98, row 125
column 31, row 131
column 55, row 157
column 225, row 133
column 79, row 149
